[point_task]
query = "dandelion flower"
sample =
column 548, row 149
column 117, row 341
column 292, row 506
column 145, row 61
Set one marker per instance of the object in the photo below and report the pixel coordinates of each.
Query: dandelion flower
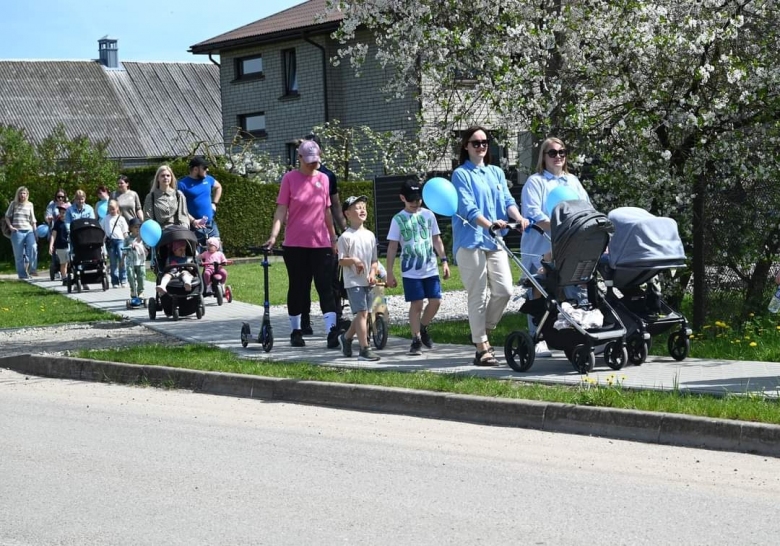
column 753, row 344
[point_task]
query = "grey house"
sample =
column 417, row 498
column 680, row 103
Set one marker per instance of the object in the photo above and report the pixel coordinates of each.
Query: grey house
column 148, row 111
column 277, row 82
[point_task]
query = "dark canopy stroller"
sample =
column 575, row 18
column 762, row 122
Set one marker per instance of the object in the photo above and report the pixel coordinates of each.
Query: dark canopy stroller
column 642, row 247
column 86, row 263
column 178, row 301
column 579, row 236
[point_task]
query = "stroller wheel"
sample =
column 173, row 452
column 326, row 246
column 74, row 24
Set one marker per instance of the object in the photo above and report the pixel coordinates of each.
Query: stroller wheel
column 152, row 308
column 615, row 355
column 175, row 312
column 679, row 345
column 637, row 351
column 519, row 351
column 583, row 359
column 246, row 334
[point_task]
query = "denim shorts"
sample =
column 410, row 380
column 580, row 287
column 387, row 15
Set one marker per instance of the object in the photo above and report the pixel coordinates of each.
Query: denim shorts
column 420, row 289
column 359, row 298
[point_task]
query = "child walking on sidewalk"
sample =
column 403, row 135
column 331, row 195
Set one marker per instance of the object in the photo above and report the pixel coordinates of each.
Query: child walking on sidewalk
column 135, row 253
column 416, row 230
column 358, row 258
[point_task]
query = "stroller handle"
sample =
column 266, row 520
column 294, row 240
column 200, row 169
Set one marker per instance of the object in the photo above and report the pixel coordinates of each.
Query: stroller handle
column 494, row 229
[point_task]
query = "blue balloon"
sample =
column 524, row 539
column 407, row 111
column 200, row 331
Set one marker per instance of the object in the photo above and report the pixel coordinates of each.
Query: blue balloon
column 557, row 195
column 151, row 232
column 440, row 196
column 42, row 231
column 102, row 209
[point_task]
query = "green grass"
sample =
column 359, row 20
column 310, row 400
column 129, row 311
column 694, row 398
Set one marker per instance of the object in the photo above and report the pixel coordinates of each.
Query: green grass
column 200, row 357
column 24, row 304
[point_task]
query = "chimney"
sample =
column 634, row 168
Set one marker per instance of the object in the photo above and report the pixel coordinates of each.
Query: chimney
column 109, row 54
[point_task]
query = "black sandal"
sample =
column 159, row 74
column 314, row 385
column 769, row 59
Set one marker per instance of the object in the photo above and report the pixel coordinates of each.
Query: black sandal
column 485, row 358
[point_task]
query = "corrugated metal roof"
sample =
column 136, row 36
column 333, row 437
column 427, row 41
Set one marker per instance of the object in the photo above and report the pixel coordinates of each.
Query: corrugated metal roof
column 302, row 16
column 146, row 110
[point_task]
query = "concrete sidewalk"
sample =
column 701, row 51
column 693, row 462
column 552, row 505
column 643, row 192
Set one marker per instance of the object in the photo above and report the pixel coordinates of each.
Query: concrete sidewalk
column 221, row 326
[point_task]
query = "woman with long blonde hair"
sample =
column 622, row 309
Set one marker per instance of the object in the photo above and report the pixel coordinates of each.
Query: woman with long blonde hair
column 20, row 219
column 165, row 204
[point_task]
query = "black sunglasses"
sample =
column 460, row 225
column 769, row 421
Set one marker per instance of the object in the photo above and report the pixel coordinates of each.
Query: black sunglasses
column 554, row 153
column 479, row 143
column 60, row 197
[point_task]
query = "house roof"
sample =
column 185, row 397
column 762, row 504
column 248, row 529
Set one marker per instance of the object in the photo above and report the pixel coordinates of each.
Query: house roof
column 305, row 17
column 145, row 110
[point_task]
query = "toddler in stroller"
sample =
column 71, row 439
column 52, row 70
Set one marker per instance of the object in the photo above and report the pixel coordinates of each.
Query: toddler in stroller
column 579, row 235
column 178, row 278
column 642, row 247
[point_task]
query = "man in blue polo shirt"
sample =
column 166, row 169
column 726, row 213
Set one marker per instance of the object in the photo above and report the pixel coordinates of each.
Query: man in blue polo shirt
column 203, row 193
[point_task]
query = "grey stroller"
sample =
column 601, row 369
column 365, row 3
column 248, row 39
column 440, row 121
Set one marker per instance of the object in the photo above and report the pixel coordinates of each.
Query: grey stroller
column 642, row 247
column 579, row 236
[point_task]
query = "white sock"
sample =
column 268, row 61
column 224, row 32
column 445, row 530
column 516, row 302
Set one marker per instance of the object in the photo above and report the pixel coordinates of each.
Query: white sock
column 295, row 322
column 330, row 320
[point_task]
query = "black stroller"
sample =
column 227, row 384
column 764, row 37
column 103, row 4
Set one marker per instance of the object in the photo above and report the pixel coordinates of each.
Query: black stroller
column 643, row 246
column 87, row 258
column 579, row 236
column 177, row 301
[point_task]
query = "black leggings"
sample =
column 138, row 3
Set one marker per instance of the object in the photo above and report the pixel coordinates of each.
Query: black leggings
column 303, row 264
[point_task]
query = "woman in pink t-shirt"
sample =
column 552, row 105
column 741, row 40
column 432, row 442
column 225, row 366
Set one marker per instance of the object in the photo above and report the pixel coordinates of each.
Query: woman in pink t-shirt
column 309, row 241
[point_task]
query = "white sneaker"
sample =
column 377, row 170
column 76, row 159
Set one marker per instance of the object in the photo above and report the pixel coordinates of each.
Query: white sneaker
column 541, row 350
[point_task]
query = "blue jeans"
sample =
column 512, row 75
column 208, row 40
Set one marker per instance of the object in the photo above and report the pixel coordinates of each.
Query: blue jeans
column 24, row 244
column 114, row 249
column 210, row 230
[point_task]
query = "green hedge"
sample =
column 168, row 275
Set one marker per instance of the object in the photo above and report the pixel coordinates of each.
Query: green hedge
column 246, row 209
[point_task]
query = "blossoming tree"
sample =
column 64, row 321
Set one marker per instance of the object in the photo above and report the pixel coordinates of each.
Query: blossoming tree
column 668, row 105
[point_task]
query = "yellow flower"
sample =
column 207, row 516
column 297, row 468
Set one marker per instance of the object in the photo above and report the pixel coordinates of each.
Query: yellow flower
column 737, row 341
column 747, row 337
column 753, row 344
column 751, row 314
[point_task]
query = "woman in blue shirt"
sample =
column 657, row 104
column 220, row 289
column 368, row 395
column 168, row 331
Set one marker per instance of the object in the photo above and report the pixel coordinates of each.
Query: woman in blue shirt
column 483, row 200
column 551, row 171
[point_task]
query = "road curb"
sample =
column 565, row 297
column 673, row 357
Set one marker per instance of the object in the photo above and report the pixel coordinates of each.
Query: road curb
column 648, row 427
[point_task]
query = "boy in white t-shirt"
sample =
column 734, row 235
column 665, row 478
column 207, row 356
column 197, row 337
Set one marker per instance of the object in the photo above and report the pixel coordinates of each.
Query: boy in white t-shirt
column 358, row 258
column 417, row 231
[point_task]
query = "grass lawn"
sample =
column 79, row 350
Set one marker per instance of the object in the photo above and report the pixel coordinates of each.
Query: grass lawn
column 23, row 304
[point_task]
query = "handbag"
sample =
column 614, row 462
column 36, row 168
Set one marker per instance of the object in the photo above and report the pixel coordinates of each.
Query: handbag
column 4, row 225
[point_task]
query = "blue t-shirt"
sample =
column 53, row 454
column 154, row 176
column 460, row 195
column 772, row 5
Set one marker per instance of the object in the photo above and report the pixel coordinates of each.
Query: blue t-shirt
column 60, row 231
column 198, row 195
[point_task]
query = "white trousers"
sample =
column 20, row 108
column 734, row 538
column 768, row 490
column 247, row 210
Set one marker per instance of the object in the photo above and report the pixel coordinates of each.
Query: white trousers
column 481, row 270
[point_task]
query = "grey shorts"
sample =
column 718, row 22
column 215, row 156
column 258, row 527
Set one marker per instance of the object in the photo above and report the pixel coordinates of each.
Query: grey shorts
column 62, row 255
column 359, row 298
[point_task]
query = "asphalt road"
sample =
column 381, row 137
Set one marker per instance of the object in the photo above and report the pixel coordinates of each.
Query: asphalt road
column 89, row 463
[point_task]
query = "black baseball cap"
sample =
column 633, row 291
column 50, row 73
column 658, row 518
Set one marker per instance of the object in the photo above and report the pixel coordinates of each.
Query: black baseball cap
column 198, row 162
column 411, row 190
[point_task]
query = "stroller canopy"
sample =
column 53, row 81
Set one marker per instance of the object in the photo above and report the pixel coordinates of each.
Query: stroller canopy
column 86, row 232
column 644, row 240
column 579, row 234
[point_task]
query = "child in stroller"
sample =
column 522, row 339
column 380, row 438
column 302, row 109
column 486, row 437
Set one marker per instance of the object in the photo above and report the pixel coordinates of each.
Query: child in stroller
column 643, row 246
column 579, row 235
column 214, row 272
column 179, row 282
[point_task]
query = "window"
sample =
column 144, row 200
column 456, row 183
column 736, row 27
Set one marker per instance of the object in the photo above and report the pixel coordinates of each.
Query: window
column 292, row 154
column 290, row 68
column 253, row 124
column 249, row 67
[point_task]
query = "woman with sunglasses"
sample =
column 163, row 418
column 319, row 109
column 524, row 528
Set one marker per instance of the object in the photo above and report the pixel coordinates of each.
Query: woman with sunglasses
column 551, row 171
column 60, row 196
column 483, row 200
